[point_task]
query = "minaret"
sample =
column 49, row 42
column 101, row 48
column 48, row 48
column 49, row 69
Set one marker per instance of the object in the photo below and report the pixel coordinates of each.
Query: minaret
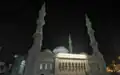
column 93, row 41
column 94, row 44
column 70, row 43
column 35, row 49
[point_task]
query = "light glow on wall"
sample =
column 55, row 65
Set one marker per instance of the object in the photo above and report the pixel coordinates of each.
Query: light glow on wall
column 66, row 55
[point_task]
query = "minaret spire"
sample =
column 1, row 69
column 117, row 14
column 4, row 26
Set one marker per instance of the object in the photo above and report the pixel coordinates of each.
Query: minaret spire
column 40, row 20
column 40, row 24
column 37, row 43
column 94, row 44
column 93, row 41
column 70, row 43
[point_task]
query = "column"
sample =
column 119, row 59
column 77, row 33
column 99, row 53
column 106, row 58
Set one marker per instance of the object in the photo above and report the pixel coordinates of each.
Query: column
column 51, row 66
column 82, row 65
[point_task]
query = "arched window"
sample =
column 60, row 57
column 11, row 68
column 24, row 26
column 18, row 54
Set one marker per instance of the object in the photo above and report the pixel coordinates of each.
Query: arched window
column 41, row 66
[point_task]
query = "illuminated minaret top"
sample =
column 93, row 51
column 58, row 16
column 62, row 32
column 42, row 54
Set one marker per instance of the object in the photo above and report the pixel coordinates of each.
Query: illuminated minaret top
column 70, row 44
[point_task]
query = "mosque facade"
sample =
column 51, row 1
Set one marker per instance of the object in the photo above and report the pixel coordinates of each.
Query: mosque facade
column 49, row 63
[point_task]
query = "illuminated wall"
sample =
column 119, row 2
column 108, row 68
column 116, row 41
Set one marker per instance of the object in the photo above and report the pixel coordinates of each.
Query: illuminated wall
column 71, row 66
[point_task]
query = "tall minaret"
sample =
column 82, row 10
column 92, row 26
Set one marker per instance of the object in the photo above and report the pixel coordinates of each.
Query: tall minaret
column 35, row 49
column 94, row 44
column 70, row 44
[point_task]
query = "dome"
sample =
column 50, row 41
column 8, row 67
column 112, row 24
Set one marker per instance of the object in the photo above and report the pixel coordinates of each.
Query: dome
column 60, row 49
column 47, row 50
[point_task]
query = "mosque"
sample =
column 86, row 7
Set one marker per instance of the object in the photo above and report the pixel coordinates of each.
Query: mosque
column 62, row 61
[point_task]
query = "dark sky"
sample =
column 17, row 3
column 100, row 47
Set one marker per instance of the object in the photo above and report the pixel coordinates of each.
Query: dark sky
column 18, row 23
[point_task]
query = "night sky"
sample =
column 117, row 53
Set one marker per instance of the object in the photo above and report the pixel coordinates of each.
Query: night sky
column 18, row 23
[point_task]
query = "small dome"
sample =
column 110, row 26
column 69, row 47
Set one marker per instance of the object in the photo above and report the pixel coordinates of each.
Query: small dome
column 47, row 50
column 60, row 49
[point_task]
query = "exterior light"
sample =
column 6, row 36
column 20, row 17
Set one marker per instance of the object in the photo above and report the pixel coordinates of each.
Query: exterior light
column 66, row 55
column 15, row 56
